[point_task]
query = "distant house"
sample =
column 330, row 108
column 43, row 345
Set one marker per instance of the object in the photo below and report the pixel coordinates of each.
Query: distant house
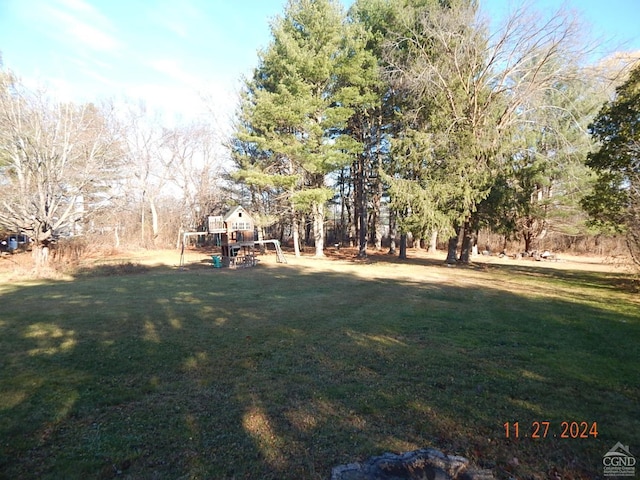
column 236, row 232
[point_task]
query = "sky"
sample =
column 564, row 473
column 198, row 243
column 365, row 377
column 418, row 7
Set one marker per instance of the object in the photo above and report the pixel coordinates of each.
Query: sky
column 173, row 54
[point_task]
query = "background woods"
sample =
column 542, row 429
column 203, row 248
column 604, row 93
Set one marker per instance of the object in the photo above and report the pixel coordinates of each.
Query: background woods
column 390, row 123
column 446, row 126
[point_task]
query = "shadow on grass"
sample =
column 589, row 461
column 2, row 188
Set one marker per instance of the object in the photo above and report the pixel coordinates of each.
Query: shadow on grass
column 620, row 280
column 280, row 372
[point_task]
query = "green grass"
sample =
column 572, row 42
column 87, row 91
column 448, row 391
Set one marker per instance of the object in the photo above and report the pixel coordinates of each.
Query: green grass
column 281, row 372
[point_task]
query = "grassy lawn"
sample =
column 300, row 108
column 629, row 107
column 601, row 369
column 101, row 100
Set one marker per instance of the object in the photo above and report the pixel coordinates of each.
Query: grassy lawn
column 283, row 371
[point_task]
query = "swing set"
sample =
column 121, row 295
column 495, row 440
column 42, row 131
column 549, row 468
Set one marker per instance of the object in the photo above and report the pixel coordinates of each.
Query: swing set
column 234, row 234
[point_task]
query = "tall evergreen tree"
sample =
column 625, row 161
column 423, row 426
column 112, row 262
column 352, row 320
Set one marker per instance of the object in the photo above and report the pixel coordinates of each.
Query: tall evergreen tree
column 370, row 124
column 296, row 107
column 387, row 21
column 438, row 65
column 466, row 93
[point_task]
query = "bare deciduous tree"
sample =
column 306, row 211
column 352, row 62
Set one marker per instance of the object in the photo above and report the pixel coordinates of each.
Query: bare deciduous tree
column 148, row 169
column 59, row 160
column 196, row 169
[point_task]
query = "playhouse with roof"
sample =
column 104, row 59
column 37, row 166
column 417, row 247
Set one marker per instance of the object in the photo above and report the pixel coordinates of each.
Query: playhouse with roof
column 235, row 234
column 236, row 237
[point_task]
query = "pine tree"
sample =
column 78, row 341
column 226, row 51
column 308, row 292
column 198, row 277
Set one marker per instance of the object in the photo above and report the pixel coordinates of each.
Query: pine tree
column 370, row 124
column 465, row 93
column 296, row 107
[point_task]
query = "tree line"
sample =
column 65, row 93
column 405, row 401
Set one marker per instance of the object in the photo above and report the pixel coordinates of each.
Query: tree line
column 112, row 171
column 420, row 117
column 394, row 118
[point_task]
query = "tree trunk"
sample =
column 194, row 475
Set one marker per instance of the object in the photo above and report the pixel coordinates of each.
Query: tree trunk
column 379, row 188
column 40, row 254
column 318, row 228
column 528, row 242
column 452, row 247
column 378, row 242
column 362, row 212
column 295, row 232
column 349, row 228
column 452, row 251
column 433, row 242
column 375, row 225
column 343, row 207
column 142, row 220
column 362, row 238
column 403, row 246
column 308, row 229
column 392, row 233
column 262, row 247
column 467, row 242
column 154, row 219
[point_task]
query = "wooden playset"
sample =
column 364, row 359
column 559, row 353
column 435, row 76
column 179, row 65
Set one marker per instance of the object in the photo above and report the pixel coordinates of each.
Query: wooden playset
column 235, row 234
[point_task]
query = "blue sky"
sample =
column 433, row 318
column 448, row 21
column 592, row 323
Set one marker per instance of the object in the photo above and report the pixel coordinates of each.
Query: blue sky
column 169, row 53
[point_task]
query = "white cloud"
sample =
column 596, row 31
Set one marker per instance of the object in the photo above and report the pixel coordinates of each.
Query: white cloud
column 80, row 6
column 191, row 92
column 178, row 17
column 171, row 101
column 92, row 37
column 174, row 70
column 88, row 63
column 88, row 60
column 181, row 102
column 76, row 23
column 62, row 89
